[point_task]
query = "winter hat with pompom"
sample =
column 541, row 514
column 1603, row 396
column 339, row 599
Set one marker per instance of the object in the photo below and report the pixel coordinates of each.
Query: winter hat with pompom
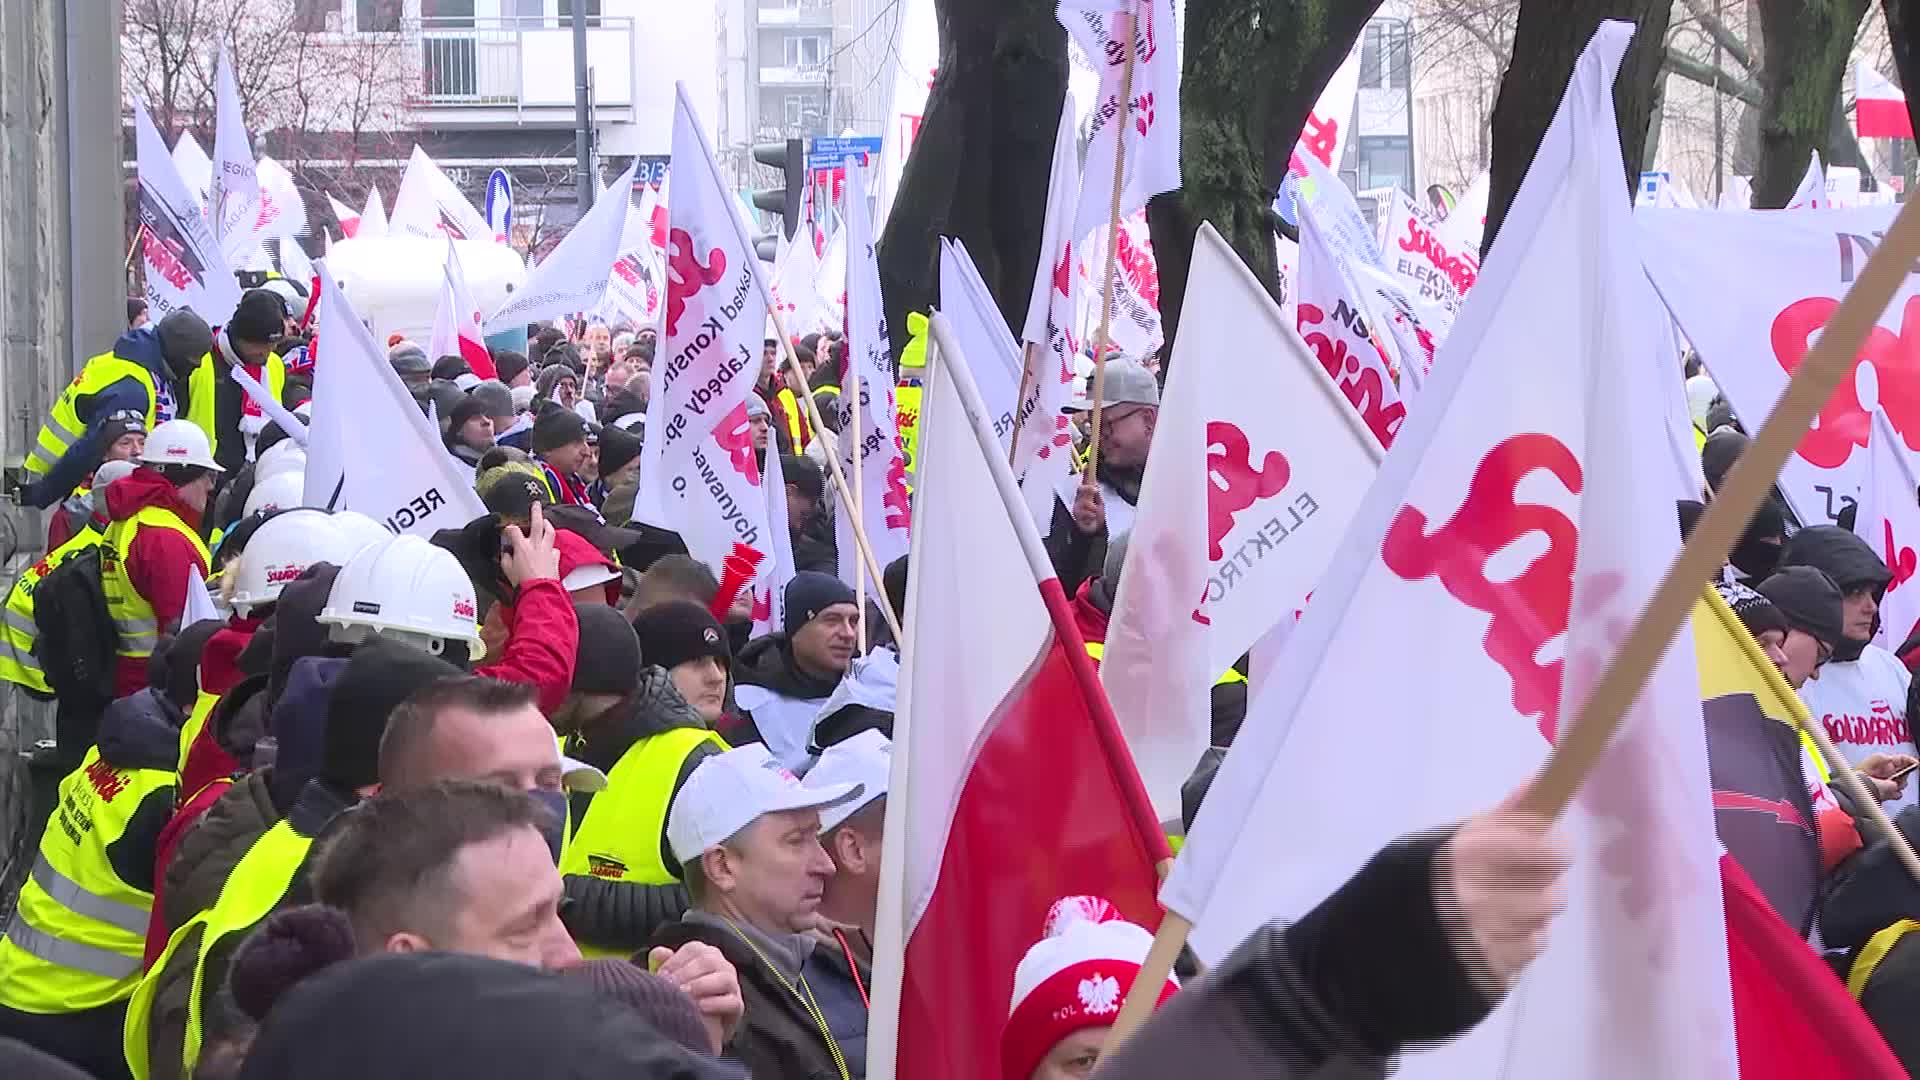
column 287, row 948
column 1074, row 978
column 659, row 1002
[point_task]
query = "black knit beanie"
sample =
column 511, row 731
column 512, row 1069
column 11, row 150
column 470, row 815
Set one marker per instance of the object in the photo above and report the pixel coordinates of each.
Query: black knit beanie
column 1809, row 601
column 376, row 680
column 678, row 631
column 608, row 660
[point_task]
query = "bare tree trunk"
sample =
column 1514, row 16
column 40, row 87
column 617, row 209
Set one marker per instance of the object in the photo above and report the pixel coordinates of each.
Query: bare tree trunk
column 1807, row 46
column 1548, row 38
column 1251, row 74
column 1903, row 31
column 979, row 168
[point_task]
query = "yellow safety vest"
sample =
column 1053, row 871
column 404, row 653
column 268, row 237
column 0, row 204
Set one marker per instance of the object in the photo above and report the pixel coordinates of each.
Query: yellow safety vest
column 196, row 722
column 799, row 432
column 18, row 664
column 906, row 403
column 257, row 885
column 132, row 613
column 200, row 394
column 63, row 424
column 619, row 836
column 1876, row 950
column 1096, row 649
column 79, row 931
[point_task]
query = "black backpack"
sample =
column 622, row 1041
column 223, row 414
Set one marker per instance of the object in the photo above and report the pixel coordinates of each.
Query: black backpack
column 77, row 641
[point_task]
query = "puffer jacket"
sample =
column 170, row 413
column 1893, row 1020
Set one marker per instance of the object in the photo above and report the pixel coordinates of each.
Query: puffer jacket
column 626, row 914
column 543, row 638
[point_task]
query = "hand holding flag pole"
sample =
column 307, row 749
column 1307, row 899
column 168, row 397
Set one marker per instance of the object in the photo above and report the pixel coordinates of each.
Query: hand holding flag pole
column 1102, row 339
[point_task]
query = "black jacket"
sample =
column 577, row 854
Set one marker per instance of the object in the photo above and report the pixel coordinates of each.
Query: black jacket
column 141, row 731
column 768, row 662
column 625, row 914
column 1868, row 893
column 1338, row 994
column 814, row 546
column 1077, row 556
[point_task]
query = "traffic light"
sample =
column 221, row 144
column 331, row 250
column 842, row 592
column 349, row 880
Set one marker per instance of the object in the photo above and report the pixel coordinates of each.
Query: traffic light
column 790, row 158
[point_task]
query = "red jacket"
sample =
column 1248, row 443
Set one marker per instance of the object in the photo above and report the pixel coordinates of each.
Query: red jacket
column 176, row 828
column 543, row 637
column 219, row 669
column 1087, row 616
column 158, row 561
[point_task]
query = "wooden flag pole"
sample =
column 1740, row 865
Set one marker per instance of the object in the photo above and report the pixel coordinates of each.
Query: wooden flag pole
column 833, row 471
column 1027, row 364
column 1582, row 743
column 1857, row 791
column 853, row 398
column 1101, row 339
column 139, row 228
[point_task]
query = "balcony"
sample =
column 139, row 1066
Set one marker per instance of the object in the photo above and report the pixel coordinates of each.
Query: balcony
column 804, row 14
column 521, row 63
column 805, row 75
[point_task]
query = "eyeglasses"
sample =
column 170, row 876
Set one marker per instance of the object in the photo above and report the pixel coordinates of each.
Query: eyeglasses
column 1823, row 656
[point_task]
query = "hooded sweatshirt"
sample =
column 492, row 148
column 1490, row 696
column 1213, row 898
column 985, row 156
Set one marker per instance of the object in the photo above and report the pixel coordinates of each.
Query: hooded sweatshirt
column 1861, row 695
column 158, row 561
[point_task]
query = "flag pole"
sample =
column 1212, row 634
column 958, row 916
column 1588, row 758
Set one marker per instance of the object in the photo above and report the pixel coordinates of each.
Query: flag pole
column 1582, row 742
column 1027, row 364
column 833, row 471
column 859, row 452
column 1866, row 800
column 1101, row 340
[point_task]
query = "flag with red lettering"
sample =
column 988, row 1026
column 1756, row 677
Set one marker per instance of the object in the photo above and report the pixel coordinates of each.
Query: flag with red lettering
column 1258, row 463
column 347, row 216
column 1051, row 347
column 1510, row 538
column 456, row 323
column 698, row 476
column 1144, row 129
column 1336, row 329
column 1325, row 134
column 1433, row 273
column 282, row 212
column 636, row 285
column 883, row 511
column 181, row 261
column 1011, row 786
column 429, row 204
column 1879, row 108
column 1752, row 291
column 1889, row 521
column 234, row 198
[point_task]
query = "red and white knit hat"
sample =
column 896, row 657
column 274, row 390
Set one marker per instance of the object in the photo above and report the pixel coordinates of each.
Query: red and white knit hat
column 1075, row 977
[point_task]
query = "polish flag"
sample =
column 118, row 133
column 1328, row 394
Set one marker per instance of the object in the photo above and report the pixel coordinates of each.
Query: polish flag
column 348, row 217
column 998, row 702
column 1880, row 109
column 456, row 324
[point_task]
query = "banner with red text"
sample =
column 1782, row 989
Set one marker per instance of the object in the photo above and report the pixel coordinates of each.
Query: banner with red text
column 1325, row 135
column 698, row 475
column 1752, row 291
column 1889, row 521
column 1341, row 337
column 1143, row 129
column 884, row 508
column 1432, row 272
column 1050, row 341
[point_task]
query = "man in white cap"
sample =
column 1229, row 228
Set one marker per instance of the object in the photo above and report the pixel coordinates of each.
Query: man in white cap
column 1101, row 508
column 851, row 832
column 747, row 835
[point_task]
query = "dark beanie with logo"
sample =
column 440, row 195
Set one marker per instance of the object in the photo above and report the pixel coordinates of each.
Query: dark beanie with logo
column 376, row 680
column 678, row 631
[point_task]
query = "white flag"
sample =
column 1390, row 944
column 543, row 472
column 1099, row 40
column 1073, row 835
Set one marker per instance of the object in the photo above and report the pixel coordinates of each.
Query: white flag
column 885, row 509
column 196, row 168
column 1466, row 225
column 1046, row 435
column 1752, row 291
column 429, row 204
column 794, row 291
column 1812, row 192
column 456, row 322
column 1565, row 461
column 831, row 285
column 1258, row 464
column 370, row 448
column 199, row 603
column 914, row 65
column 1889, row 522
column 573, row 276
column 1431, row 272
column 282, row 211
column 1337, row 329
column 698, row 476
column 991, row 354
column 183, row 263
column 1324, row 137
column 373, row 219
column 1147, row 124
column 235, row 196
column 770, row 585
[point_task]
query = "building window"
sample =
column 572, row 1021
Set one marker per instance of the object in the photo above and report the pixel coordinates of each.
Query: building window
column 1384, row 56
column 592, row 11
column 316, row 16
column 377, row 16
column 1384, row 161
column 806, row 50
column 795, row 109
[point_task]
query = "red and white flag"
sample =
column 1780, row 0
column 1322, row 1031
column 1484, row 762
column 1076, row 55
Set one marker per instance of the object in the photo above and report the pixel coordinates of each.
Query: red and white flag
column 1889, row 521
column 1325, row 134
column 183, row 263
column 1146, row 126
column 347, row 216
column 234, row 199
column 429, row 204
column 1258, row 464
column 698, row 475
column 1508, row 538
column 1336, row 329
column 885, row 511
column 998, row 702
column 456, row 323
column 1879, row 108
column 1046, row 435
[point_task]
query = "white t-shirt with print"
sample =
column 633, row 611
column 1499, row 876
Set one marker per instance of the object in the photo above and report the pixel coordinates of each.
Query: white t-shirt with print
column 1863, row 706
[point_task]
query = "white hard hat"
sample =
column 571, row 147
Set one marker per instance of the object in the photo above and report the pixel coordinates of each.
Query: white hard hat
column 282, row 457
column 362, row 530
column 282, row 491
column 179, row 442
column 280, row 551
column 109, row 471
column 403, row 588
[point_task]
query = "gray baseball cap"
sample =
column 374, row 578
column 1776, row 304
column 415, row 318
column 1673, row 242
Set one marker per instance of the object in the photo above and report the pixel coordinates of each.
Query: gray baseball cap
column 1128, row 382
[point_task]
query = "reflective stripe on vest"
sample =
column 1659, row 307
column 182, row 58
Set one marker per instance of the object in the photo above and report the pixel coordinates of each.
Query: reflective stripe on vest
column 63, row 424
column 79, row 931
column 133, row 615
column 1874, row 951
column 619, row 836
column 200, row 394
column 17, row 630
column 1096, row 649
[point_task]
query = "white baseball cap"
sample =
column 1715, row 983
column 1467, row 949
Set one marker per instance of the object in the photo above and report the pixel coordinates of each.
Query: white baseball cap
column 726, row 792
column 865, row 761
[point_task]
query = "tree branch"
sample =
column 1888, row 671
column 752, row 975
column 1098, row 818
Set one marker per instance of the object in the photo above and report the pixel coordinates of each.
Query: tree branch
column 1722, row 34
column 1734, row 86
